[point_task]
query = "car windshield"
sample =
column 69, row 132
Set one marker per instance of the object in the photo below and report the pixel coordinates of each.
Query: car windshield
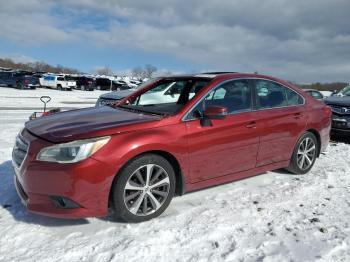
column 345, row 91
column 167, row 97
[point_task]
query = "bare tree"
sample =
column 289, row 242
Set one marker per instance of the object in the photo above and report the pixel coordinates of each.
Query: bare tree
column 104, row 71
column 137, row 72
column 150, row 70
column 36, row 66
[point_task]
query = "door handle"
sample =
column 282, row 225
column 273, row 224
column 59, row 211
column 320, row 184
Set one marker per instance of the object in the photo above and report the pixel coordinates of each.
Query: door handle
column 251, row 125
column 298, row 115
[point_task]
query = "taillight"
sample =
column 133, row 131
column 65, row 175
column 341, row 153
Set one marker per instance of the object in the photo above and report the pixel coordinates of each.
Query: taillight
column 328, row 111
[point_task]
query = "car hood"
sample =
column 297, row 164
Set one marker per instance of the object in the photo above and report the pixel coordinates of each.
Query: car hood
column 117, row 95
column 86, row 123
column 338, row 100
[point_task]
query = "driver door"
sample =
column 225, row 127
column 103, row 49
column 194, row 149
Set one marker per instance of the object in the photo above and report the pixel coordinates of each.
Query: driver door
column 230, row 145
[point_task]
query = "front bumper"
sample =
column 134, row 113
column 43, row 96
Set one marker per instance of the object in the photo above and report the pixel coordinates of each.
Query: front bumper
column 340, row 123
column 86, row 184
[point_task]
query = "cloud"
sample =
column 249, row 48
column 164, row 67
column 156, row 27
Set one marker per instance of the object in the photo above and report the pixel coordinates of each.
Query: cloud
column 296, row 40
column 30, row 22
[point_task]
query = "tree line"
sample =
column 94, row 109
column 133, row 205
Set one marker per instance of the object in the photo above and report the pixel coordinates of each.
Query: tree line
column 335, row 86
column 37, row 66
column 147, row 71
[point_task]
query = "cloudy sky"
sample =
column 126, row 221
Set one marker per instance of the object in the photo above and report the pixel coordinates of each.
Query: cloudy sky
column 304, row 41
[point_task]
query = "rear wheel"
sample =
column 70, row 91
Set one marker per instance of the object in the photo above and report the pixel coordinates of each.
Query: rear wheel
column 304, row 154
column 143, row 189
column 82, row 88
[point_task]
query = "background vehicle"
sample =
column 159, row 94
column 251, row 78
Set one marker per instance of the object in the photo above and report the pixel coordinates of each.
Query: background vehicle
column 19, row 79
column 108, row 84
column 57, row 81
column 166, row 93
column 83, row 83
column 113, row 97
column 135, row 156
column 340, row 104
column 314, row 93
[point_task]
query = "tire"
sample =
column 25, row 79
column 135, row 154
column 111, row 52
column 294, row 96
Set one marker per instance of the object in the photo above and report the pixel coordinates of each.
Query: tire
column 135, row 200
column 304, row 154
column 19, row 86
column 59, row 87
column 98, row 88
column 82, row 88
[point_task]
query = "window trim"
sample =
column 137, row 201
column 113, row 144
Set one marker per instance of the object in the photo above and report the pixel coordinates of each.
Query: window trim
column 285, row 93
column 253, row 93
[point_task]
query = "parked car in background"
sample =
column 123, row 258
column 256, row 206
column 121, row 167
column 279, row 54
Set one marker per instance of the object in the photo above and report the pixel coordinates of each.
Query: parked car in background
column 19, row 79
column 108, row 84
column 115, row 96
column 58, row 82
column 314, row 93
column 134, row 156
column 326, row 93
column 83, row 83
column 340, row 104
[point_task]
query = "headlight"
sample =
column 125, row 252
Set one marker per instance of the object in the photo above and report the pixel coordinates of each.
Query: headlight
column 72, row 152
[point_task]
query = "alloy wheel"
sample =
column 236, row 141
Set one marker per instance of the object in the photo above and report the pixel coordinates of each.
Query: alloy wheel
column 146, row 190
column 306, row 153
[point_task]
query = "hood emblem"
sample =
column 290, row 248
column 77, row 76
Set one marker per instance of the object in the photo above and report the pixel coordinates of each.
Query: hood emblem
column 345, row 110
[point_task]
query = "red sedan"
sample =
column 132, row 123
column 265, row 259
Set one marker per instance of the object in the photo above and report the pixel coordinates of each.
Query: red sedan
column 174, row 135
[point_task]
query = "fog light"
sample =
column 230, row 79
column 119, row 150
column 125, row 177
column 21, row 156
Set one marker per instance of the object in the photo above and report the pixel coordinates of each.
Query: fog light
column 63, row 202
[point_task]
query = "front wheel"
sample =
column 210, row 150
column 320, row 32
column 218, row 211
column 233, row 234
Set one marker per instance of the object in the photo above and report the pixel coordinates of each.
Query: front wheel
column 143, row 189
column 304, row 154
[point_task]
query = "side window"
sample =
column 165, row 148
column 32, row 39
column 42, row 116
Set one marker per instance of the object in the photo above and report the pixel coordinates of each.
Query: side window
column 234, row 95
column 317, row 95
column 60, row 79
column 270, row 94
column 219, row 93
column 294, row 98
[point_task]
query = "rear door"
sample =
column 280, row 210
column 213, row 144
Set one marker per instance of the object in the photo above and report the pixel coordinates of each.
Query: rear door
column 282, row 119
column 230, row 145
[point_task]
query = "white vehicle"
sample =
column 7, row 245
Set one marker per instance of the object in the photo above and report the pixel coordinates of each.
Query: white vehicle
column 166, row 93
column 57, row 81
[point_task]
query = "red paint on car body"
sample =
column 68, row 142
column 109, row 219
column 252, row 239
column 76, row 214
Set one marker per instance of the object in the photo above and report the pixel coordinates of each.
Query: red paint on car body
column 239, row 146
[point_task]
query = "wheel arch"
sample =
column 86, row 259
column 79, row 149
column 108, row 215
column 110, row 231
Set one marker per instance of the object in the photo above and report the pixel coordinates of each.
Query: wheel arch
column 318, row 137
column 179, row 175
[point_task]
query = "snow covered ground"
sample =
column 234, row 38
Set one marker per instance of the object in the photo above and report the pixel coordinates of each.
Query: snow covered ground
column 272, row 217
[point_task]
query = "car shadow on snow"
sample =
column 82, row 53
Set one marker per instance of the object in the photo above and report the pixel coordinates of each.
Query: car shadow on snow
column 10, row 201
column 341, row 138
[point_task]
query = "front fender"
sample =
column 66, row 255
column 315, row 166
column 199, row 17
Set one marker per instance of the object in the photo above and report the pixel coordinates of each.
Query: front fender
column 125, row 146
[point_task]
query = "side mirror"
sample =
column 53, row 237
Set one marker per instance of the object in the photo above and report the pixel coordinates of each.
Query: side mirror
column 215, row 112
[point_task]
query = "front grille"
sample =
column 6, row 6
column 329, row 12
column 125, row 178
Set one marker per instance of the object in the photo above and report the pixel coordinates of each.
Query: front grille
column 340, row 109
column 20, row 151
